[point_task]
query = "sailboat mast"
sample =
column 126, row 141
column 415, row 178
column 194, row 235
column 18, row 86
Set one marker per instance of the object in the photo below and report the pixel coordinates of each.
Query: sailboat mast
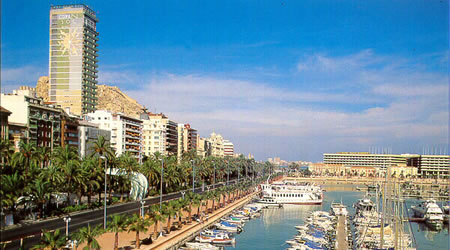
column 382, row 210
column 395, row 214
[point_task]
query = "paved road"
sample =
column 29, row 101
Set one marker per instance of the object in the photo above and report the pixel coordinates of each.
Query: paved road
column 31, row 233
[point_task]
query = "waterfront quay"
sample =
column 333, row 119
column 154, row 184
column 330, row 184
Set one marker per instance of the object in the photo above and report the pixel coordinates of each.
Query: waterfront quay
column 367, row 180
column 437, row 189
column 341, row 233
column 180, row 237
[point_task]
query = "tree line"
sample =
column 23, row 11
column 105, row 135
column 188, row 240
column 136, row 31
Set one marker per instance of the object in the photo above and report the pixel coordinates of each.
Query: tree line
column 39, row 182
column 173, row 212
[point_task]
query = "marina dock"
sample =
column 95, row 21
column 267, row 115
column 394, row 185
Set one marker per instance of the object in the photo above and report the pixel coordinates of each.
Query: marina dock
column 341, row 233
column 177, row 238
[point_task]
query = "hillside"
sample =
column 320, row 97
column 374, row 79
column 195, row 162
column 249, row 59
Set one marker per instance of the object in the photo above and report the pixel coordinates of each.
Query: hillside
column 109, row 98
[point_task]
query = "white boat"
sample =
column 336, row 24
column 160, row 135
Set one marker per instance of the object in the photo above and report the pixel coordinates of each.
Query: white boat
column 215, row 233
column 218, row 239
column 291, row 193
column 364, row 204
column 234, row 220
column 339, row 209
column 197, row 245
column 430, row 211
column 269, row 202
column 223, row 225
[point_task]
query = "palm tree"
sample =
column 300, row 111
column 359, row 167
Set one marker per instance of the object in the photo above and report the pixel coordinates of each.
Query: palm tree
column 26, row 158
column 89, row 235
column 40, row 194
column 52, row 174
column 182, row 204
column 44, row 155
column 117, row 224
column 198, row 201
column 138, row 224
column 190, row 200
column 94, row 177
column 51, row 240
column 151, row 168
column 67, row 159
column 215, row 197
column 127, row 165
column 6, row 151
column 155, row 216
column 10, row 190
column 170, row 210
column 102, row 147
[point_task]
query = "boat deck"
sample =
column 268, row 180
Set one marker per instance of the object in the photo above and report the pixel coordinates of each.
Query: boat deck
column 341, row 233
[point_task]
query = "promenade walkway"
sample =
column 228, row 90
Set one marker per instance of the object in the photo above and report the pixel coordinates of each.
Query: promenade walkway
column 341, row 233
column 171, row 240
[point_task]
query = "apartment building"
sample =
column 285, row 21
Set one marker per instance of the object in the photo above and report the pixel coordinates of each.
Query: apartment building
column 69, row 130
column 36, row 121
column 160, row 134
column 126, row 131
column 216, row 141
column 228, row 148
column 203, row 147
column 4, row 128
column 187, row 139
column 88, row 133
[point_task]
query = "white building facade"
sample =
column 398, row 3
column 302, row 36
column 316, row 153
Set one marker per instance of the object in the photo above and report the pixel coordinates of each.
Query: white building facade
column 159, row 135
column 228, row 148
column 216, row 141
column 126, row 132
column 88, row 133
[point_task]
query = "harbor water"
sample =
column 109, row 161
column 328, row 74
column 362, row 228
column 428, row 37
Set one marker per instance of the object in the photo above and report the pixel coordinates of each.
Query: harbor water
column 275, row 226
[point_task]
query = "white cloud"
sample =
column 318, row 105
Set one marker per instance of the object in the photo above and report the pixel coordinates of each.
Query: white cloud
column 12, row 78
column 401, row 104
column 353, row 102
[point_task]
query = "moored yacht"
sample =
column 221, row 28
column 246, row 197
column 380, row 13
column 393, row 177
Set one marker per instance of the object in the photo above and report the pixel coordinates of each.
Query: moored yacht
column 338, row 209
column 430, row 211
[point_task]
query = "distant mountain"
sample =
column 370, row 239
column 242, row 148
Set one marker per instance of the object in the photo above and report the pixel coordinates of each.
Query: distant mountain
column 113, row 99
column 109, row 98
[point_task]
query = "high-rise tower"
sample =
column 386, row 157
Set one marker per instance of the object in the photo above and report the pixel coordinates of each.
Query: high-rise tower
column 73, row 58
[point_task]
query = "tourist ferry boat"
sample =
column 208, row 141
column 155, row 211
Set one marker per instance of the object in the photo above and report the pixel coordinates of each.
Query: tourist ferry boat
column 430, row 211
column 291, row 193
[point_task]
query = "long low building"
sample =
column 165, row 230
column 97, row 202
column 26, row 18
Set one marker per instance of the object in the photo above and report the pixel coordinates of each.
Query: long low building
column 428, row 166
column 365, row 159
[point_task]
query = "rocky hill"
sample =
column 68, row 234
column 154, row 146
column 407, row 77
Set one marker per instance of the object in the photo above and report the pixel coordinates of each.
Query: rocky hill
column 42, row 88
column 109, row 98
column 113, row 99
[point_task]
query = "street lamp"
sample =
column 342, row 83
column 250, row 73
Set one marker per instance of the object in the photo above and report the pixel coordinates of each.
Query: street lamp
column 104, row 209
column 214, row 183
column 239, row 171
column 67, row 220
column 142, row 208
column 193, row 176
column 160, row 192
column 228, row 172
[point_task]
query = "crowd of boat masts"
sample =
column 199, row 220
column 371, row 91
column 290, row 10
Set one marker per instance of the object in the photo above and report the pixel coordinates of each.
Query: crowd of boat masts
column 417, row 191
column 324, row 230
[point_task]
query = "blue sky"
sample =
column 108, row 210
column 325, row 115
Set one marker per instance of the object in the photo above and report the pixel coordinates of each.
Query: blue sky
column 278, row 78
